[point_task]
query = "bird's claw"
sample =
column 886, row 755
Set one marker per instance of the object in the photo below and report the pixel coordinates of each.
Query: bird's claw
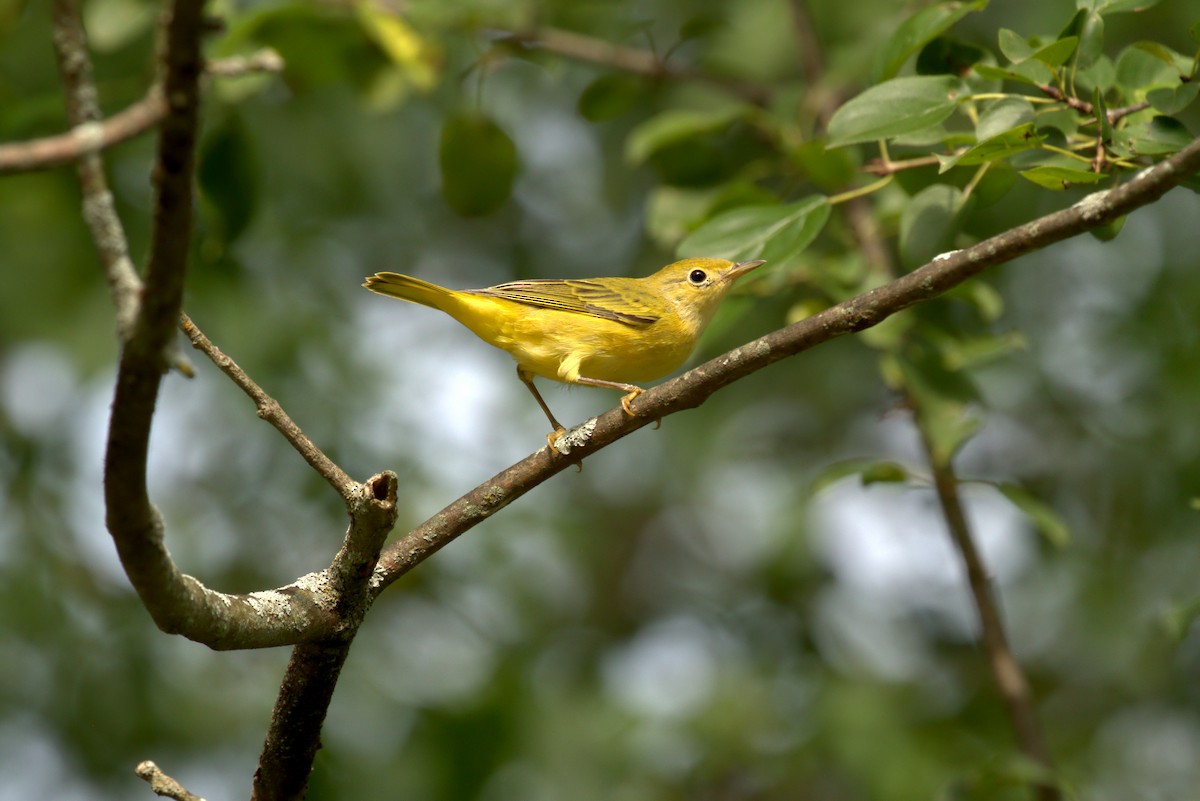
column 627, row 400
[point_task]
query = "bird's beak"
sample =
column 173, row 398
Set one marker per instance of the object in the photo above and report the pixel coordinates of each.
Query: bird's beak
column 741, row 268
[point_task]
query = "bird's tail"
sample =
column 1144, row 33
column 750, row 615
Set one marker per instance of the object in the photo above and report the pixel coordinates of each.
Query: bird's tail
column 395, row 285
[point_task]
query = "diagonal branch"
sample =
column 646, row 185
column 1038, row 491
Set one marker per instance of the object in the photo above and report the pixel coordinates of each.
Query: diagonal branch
column 1006, row 671
column 695, row 386
column 270, row 410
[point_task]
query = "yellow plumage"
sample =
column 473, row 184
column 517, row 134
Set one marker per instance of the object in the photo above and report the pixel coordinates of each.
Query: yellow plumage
column 606, row 332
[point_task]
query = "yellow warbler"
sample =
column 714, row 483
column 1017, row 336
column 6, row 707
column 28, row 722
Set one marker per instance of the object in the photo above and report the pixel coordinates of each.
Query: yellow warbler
column 602, row 332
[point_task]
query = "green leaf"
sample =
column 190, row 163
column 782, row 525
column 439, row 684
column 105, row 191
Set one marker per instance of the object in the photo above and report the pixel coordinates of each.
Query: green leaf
column 1194, row 32
column 674, row 126
column 884, row 473
column 1056, row 53
column 1088, row 26
column 1159, row 137
column 1100, row 75
column 1045, row 520
column 1116, row 6
column 610, row 96
column 1159, row 51
column 889, row 334
column 478, row 164
column 997, row 182
column 869, row 471
column 1061, row 119
column 997, row 147
column 1003, row 115
column 929, row 222
column 1033, row 73
column 942, row 399
column 946, row 56
column 896, row 107
column 1100, row 110
column 993, row 73
column 1013, row 46
column 962, row 352
column 983, row 297
column 829, row 170
column 1109, row 231
column 1053, row 177
column 1173, row 101
column 672, row 212
column 751, row 232
column 227, row 174
column 917, row 31
column 1140, row 69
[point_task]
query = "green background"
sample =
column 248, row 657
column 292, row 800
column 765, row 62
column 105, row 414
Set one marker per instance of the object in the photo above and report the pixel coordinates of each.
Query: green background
column 687, row 617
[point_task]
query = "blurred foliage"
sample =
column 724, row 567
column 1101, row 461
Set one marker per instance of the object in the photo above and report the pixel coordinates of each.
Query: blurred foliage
column 757, row 601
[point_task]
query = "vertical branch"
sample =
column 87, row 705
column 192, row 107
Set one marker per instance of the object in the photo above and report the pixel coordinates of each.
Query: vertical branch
column 294, row 736
column 1010, row 679
column 1006, row 671
column 99, row 211
column 135, row 525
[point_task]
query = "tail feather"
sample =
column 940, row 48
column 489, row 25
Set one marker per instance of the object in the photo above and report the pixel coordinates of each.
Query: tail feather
column 395, row 285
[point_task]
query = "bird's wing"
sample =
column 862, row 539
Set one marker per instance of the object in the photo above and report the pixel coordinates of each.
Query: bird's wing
column 624, row 304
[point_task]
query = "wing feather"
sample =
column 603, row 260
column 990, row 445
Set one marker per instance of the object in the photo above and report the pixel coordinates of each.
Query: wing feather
column 623, row 304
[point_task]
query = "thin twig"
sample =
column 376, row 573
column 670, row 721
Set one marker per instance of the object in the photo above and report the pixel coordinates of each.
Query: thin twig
column 99, row 211
column 1006, row 671
column 628, row 59
column 695, row 386
column 162, row 784
column 884, row 167
column 1084, row 107
column 94, row 135
column 270, row 410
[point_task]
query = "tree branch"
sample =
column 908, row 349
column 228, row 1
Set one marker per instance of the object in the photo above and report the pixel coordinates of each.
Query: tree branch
column 90, row 135
column 99, row 211
column 294, row 735
column 302, row 611
column 628, row 59
column 695, row 386
column 162, row 784
column 270, row 410
column 1006, row 671
column 173, row 600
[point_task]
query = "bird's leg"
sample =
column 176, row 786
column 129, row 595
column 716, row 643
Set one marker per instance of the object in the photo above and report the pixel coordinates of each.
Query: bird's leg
column 632, row 390
column 559, row 430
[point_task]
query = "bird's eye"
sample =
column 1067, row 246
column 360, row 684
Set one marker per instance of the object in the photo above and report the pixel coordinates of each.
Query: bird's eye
column 697, row 277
